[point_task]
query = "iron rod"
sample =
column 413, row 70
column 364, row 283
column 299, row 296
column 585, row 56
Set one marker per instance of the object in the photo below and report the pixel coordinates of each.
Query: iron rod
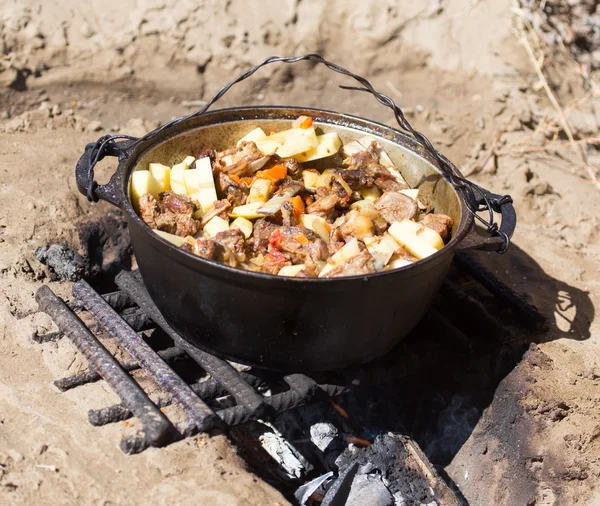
column 219, row 369
column 169, row 355
column 157, row 428
column 200, row 416
column 528, row 312
column 208, row 390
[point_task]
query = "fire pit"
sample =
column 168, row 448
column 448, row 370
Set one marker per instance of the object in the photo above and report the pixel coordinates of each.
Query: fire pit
column 343, row 437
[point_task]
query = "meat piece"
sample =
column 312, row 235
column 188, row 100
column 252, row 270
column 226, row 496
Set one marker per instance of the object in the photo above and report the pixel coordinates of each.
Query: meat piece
column 394, row 206
column 287, row 213
column 230, row 247
column 218, row 208
column 343, row 195
column 203, row 247
column 301, row 243
column 176, row 203
column 223, row 158
column 246, row 160
column 325, row 203
column 150, row 210
column 237, row 193
column 262, row 231
column 182, row 209
column 210, row 153
column 368, row 161
column 388, row 183
column 336, row 240
column 288, row 187
column 274, row 261
column 441, row 223
column 293, row 167
column 356, row 179
column 185, row 225
column 357, row 225
column 172, row 214
column 356, row 266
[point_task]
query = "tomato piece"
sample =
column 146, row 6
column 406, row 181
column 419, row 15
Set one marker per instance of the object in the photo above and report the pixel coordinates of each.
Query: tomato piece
column 277, row 257
column 275, row 240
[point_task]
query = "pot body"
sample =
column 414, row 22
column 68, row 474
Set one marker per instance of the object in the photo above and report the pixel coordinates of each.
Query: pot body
column 285, row 323
column 296, row 324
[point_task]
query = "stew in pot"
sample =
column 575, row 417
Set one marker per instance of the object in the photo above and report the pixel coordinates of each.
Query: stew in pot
column 262, row 207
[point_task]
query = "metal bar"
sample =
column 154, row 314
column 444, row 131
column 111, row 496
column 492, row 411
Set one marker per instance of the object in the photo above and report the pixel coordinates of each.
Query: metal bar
column 284, row 401
column 243, row 393
column 449, row 329
column 528, row 312
column 134, row 317
column 157, row 428
column 475, row 309
column 118, row 301
column 201, row 417
column 208, row 390
column 169, row 355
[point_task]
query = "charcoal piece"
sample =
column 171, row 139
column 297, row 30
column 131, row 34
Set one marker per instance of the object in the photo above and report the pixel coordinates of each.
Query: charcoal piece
column 369, row 489
column 389, row 458
column 322, row 434
column 63, row 263
column 304, row 492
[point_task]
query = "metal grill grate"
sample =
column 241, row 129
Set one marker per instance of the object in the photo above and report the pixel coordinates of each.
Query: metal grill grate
column 124, row 314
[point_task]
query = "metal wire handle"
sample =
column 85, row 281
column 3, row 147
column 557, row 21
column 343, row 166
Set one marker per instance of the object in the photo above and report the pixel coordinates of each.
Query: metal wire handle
column 477, row 198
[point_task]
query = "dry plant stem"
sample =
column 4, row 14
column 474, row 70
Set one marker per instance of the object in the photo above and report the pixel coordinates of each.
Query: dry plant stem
column 490, row 151
column 563, row 120
column 545, row 128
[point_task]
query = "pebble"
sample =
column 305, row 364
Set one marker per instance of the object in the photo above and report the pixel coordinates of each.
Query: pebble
column 94, row 126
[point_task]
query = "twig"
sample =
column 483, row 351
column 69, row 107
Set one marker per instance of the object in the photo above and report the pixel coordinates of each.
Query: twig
column 391, row 86
column 543, row 128
column 563, row 120
column 490, row 151
column 193, row 103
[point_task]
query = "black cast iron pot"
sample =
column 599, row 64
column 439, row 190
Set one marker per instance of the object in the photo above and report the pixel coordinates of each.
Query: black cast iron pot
column 289, row 323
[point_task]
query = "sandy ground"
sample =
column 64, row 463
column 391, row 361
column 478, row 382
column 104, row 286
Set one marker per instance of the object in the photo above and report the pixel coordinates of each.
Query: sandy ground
column 127, row 66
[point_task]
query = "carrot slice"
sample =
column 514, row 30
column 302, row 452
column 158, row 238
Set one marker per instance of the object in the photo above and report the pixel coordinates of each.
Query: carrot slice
column 298, row 206
column 242, row 180
column 276, row 172
column 307, row 123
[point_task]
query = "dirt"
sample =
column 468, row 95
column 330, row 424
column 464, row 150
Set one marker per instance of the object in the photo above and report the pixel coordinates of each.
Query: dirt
column 71, row 74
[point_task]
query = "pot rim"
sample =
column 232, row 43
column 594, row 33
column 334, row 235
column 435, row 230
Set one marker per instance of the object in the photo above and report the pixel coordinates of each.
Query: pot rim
column 325, row 116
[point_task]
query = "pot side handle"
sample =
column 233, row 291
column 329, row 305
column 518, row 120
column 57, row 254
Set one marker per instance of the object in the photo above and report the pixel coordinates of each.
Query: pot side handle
column 496, row 238
column 84, row 170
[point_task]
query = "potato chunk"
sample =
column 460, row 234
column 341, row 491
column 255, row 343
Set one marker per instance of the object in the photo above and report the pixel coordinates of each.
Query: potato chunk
column 260, row 191
column 417, row 239
column 214, row 226
column 291, row 270
column 328, row 145
column 244, row 225
column 162, row 173
column 200, row 185
column 143, row 182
